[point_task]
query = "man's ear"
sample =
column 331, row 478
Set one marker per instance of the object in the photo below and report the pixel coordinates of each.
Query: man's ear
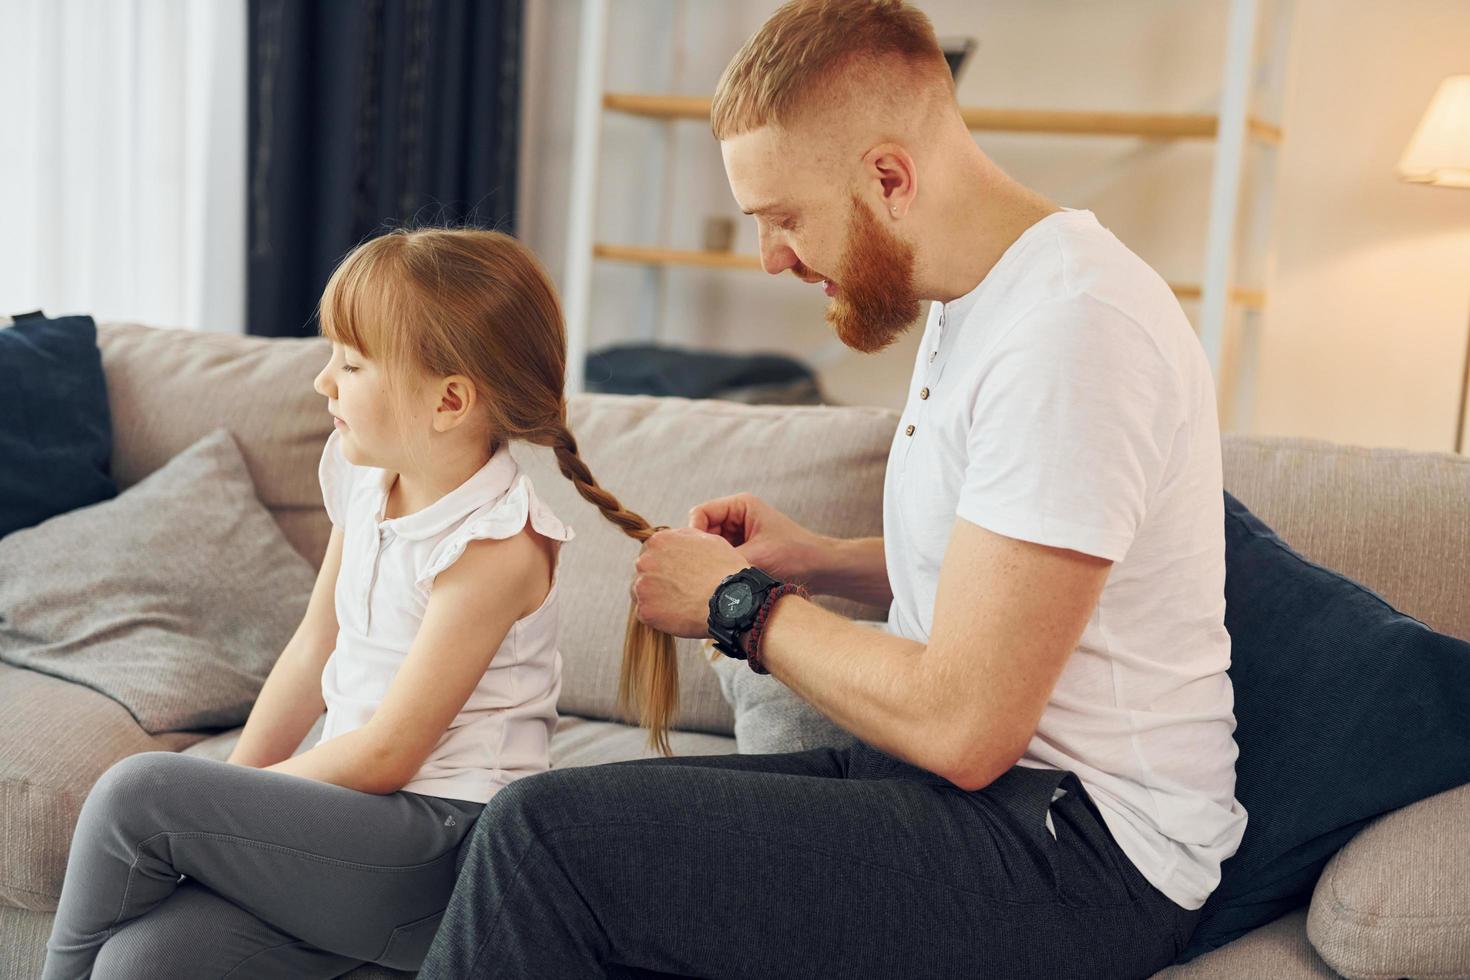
column 895, row 176
column 456, row 400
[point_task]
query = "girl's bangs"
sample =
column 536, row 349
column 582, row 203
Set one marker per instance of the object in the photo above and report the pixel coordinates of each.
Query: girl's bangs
column 354, row 306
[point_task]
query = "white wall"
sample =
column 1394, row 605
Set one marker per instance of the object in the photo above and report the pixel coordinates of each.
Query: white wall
column 1366, row 326
column 1361, row 330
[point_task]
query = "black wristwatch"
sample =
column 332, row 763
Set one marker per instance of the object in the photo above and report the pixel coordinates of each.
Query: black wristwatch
column 733, row 607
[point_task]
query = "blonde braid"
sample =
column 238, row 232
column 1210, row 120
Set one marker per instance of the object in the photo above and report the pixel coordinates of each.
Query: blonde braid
column 572, row 467
column 648, row 683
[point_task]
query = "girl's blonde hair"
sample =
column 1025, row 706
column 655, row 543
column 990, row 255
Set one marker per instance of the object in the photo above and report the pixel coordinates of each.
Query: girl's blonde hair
column 477, row 303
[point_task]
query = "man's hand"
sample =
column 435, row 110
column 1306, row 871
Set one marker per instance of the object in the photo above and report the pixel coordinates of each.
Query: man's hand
column 678, row 570
column 764, row 537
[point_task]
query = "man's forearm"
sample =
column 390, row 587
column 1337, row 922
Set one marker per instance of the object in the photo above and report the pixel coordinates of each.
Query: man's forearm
column 868, row 681
column 852, row 568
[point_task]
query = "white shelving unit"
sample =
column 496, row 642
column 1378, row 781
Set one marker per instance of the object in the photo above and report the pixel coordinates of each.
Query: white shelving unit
column 1242, row 180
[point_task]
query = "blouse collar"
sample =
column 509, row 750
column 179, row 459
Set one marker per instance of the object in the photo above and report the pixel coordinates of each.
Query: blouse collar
column 488, row 483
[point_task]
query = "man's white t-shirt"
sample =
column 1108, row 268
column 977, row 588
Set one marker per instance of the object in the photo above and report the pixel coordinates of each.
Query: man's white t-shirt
column 1066, row 401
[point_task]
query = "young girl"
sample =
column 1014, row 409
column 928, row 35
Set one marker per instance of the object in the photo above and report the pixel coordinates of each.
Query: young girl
column 430, row 641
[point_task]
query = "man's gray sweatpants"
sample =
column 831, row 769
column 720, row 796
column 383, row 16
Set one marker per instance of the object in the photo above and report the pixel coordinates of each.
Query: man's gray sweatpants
column 184, row 868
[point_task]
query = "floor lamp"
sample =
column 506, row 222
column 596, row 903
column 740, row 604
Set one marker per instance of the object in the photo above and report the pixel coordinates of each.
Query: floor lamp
column 1439, row 154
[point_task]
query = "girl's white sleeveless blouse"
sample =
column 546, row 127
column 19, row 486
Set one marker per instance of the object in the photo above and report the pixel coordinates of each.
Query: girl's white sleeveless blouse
column 504, row 730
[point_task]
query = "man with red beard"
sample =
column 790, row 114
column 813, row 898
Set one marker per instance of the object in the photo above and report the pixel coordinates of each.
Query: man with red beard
column 1043, row 782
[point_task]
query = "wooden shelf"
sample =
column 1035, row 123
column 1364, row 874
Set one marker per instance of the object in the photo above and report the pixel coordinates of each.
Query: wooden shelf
column 1145, row 125
column 643, row 255
column 673, row 256
column 1253, row 299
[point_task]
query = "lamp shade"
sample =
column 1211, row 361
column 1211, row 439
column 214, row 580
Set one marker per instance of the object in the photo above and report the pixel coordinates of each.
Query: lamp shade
column 1439, row 153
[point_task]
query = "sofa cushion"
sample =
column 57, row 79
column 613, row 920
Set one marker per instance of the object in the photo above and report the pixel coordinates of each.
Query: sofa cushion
column 1395, row 902
column 174, row 598
column 1392, row 519
column 660, row 457
column 169, row 388
column 57, row 739
column 23, row 935
column 1345, row 709
column 55, row 431
column 1278, row 951
column 590, row 742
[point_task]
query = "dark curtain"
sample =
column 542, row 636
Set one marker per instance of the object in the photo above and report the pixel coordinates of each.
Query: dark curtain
column 369, row 114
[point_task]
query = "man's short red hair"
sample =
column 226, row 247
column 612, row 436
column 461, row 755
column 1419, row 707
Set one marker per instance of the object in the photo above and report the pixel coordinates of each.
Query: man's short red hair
column 808, row 44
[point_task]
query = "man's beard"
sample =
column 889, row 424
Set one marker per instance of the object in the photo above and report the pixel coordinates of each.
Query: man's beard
column 875, row 300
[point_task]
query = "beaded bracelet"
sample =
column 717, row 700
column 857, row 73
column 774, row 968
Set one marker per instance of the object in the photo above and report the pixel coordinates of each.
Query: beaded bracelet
column 753, row 656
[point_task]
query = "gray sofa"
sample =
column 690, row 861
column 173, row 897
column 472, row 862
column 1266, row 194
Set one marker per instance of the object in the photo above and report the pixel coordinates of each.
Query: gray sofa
column 1395, row 902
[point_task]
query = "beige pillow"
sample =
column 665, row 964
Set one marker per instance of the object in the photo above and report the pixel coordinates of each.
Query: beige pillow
column 1395, row 902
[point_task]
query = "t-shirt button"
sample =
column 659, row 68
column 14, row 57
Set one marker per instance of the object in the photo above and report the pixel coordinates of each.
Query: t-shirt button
column 923, row 392
column 909, row 431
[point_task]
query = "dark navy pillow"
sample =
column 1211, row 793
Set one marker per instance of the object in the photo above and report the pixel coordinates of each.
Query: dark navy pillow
column 1345, row 709
column 55, row 429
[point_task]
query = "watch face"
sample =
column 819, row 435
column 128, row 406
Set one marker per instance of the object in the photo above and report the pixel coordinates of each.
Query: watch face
column 736, row 601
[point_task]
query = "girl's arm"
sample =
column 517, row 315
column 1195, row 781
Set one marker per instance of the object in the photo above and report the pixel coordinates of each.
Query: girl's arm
column 291, row 700
column 472, row 607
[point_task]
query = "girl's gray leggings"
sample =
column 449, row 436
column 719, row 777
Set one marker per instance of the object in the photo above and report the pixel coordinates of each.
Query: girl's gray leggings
column 188, row 868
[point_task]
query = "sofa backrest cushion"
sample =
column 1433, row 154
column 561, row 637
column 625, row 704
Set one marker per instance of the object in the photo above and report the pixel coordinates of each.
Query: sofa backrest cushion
column 169, row 388
column 821, row 465
column 1396, row 521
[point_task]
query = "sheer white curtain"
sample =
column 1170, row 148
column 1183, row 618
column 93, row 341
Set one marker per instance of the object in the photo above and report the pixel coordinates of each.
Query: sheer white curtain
column 122, row 160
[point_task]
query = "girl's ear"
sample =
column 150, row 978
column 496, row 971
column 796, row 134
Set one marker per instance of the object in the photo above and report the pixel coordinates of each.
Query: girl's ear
column 456, row 402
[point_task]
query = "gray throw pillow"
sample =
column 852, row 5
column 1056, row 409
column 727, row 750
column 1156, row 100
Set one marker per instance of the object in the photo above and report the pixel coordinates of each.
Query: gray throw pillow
column 769, row 717
column 174, row 598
